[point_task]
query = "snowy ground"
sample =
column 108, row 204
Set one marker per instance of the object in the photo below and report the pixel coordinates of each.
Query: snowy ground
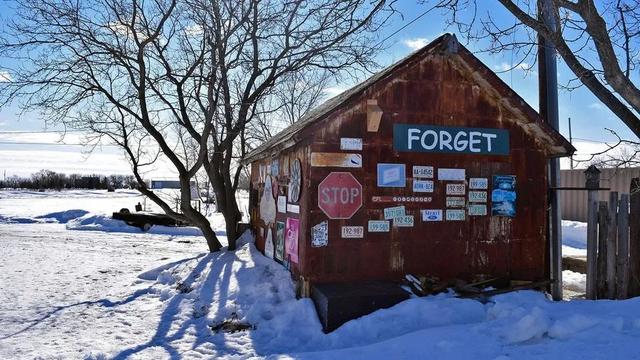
column 111, row 291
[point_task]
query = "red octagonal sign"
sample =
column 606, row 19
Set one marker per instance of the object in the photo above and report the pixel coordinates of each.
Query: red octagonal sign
column 339, row 195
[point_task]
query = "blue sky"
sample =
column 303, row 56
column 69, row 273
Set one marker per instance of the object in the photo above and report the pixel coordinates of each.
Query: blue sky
column 589, row 116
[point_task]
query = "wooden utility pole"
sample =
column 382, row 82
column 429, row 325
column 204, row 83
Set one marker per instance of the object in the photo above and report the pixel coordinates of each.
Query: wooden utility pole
column 548, row 96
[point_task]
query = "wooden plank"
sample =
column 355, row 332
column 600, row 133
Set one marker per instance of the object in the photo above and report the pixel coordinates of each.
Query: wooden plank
column 603, row 229
column 612, row 245
column 592, row 244
column 634, row 238
column 623, row 247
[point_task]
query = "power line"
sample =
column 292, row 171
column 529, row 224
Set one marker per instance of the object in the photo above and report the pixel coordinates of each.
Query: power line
column 407, row 24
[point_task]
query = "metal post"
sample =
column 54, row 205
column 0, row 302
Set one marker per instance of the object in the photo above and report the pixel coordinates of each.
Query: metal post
column 592, row 175
column 548, row 94
column 570, row 142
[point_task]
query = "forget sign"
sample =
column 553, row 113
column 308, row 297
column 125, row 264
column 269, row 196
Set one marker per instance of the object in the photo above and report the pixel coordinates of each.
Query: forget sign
column 426, row 138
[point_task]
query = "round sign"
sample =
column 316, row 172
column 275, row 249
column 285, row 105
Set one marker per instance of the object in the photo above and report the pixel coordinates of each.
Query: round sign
column 339, row 195
column 295, row 179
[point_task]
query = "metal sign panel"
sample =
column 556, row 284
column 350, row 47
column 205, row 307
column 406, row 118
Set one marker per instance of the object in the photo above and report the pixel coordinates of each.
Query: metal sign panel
column 350, row 144
column 352, row 232
column 443, row 139
column 423, row 172
column 391, row 175
column 478, row 196
column 455, row 215
column 378, row 226
column 320, row 234
column 422, row 186
column 479, row 183
column 456, row 189
column 451, row 174
column 455, row 201
column 406, row 199
column 339, row 195
column 403, row 221
column 431, row 214
column 477, row 209
column 393, row 212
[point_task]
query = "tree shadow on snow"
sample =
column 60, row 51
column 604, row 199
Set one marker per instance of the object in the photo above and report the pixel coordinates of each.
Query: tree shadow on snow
column 218, row 277
column 101, row 302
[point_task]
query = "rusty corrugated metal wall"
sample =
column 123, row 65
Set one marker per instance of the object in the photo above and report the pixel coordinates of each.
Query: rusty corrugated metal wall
column 574, row 202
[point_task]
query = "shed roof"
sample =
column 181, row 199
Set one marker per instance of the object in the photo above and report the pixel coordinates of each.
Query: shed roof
column 558, row 146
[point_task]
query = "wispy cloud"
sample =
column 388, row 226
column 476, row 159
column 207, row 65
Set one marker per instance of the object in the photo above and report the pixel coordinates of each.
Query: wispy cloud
column 415, row 43
column 504, row 66
column 5, row 76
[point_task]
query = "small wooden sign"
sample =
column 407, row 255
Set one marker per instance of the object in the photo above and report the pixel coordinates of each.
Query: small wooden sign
column 325, row 159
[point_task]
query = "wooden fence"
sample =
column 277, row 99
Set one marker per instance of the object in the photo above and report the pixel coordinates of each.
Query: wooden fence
column 613, row 244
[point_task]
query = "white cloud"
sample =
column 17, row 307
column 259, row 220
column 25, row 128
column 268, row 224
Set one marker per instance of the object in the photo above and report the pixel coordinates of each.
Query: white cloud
column 415, row 43
column 334, row 90
column 504, row 66
column 5, row 76
column 597, row 106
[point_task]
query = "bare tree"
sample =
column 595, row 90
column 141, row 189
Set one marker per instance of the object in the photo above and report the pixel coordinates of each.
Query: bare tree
column 599, row 42
column 179, row 81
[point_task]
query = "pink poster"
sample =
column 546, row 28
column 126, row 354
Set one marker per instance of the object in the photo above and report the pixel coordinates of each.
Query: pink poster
column 291, row 239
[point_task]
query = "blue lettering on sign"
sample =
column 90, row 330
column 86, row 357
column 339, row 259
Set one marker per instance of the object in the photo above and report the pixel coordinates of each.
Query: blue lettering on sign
column 442, row 139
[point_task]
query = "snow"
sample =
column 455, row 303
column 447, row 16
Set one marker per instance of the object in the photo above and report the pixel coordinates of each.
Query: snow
column 113, row 292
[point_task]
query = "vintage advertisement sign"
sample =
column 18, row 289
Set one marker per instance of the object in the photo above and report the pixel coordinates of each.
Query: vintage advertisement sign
column 320, row 234
column 456, row 189
column 503, row 196
column 391, row 175
column 378, row 226
column 275, row 167
column 325, row 159
column 350, row 144
column 339, row 195
column 393, row 212
column 444, row 139
column 431, row 214
column 477, row 209
column 267, row 203
column 352, row 232
column 403, row 221
column 291, row 239
column 478, row 196
column 282, row 204
column 293, row 208
column 268, row 245
column 455, row 201
column 479, row 183
column 422, row 186
column 445, row 174
column 423, row 172
column 279, row 253
column 405, row 199
column 455, row 215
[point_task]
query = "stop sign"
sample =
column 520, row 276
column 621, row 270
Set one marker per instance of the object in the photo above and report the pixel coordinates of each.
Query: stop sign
column 339, row 195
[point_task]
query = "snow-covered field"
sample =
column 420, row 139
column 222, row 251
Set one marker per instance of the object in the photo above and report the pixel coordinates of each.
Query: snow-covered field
column 75, row 284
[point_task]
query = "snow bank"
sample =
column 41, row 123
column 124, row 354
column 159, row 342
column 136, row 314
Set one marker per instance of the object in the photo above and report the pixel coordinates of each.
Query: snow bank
column 63, row 217
column 574, row 234
column 97, row 222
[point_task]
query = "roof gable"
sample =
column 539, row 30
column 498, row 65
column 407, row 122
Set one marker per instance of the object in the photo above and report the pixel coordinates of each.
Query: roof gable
column 530, row 120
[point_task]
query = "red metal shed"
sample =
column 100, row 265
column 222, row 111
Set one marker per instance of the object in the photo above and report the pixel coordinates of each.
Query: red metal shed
column 433, row 166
